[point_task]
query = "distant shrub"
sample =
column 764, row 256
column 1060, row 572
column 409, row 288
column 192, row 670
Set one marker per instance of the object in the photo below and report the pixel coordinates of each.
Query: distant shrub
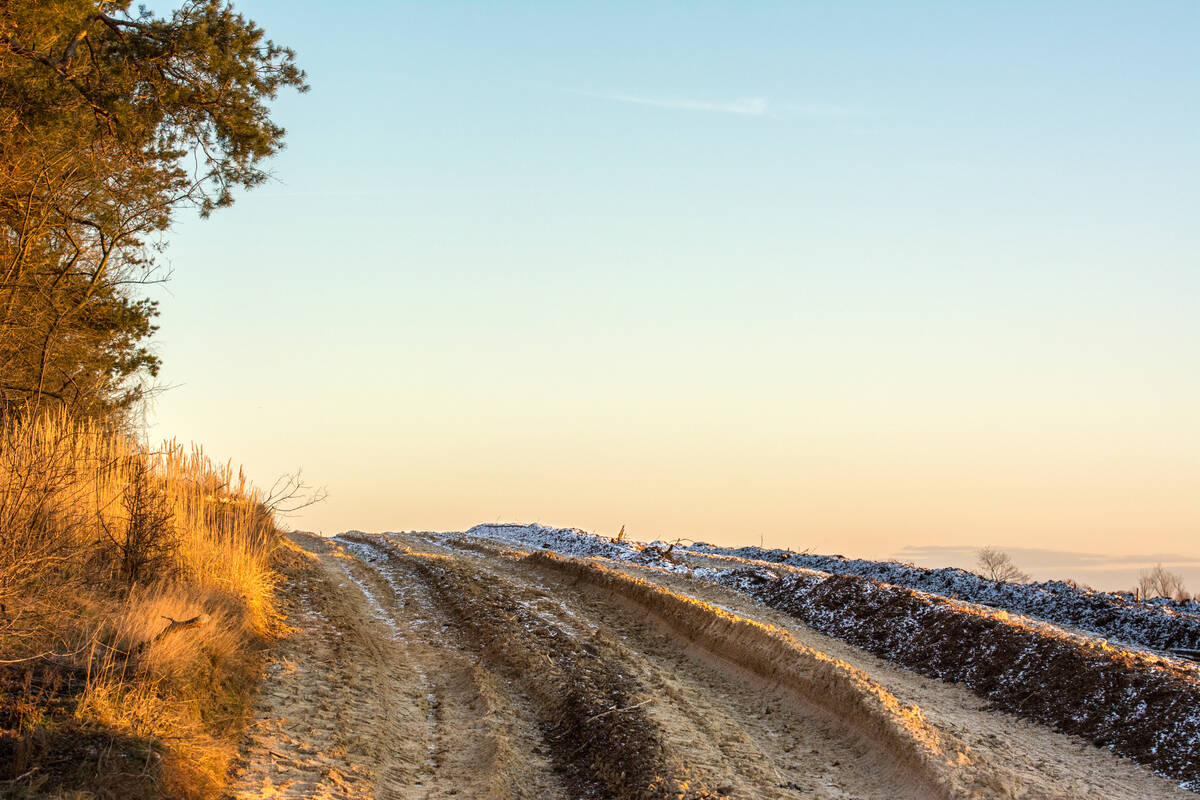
column 998, row 566
column 1161, row 582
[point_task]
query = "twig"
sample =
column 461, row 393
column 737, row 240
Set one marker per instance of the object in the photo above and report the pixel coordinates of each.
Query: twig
column 28, row 658
column 177, row 624
column 615, row 710
column 48, row 653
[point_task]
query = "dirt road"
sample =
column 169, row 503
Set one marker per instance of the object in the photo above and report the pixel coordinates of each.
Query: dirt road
column 426, row 667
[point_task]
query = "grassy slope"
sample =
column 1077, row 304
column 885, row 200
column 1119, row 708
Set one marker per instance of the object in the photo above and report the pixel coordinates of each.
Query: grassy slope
column 109, row 542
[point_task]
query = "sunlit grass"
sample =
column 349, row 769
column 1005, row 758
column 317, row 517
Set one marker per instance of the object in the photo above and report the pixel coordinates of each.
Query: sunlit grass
column 109, row 539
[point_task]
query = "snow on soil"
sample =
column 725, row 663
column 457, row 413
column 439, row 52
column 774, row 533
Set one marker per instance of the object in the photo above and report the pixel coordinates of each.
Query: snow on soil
column 945, row 623
column 560, row 540
column 1133, row 702
column 577, row 542
column 1158, row 625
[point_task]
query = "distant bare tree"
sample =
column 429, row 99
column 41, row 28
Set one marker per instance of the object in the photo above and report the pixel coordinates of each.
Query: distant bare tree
column 1161, row 582
column 996, row 564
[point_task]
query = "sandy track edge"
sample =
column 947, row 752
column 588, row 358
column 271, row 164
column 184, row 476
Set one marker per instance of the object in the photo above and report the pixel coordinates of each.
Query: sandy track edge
column 773, row 654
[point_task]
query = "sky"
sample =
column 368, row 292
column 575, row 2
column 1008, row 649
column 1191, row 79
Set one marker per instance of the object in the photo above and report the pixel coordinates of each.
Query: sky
column 868, row 278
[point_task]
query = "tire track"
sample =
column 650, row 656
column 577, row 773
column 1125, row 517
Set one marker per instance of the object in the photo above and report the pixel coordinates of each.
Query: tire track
column 322, row 696
column 375, row 697
column 481, row 738
column 591, row 713
column 735, row 728
column 722, row 726
column 1007, row 757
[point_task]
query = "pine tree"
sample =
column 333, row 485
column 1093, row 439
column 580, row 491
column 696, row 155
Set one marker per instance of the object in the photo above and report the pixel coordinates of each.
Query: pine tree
column 110, row 122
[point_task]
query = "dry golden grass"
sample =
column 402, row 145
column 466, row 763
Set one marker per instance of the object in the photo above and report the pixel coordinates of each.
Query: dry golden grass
column 104, row 542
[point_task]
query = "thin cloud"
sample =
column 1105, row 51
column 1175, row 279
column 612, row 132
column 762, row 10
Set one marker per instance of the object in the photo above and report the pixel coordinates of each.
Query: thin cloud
column 745, row 106
column 1035, row 557
column 825, row 111
column 1109, row 572
column 324, row 193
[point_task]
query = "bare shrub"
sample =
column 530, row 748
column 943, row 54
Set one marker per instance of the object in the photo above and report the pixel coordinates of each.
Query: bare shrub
column 1161, row 582
column 998, row 566
column 144, row 543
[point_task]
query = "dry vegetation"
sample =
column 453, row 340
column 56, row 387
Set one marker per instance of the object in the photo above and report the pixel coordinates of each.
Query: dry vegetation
column 134, row 582
column 997, row 565
column 1161, row 582
column 104, row 543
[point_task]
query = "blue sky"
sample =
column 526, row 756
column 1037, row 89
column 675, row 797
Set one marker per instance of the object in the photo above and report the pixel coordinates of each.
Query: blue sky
column 852, row 276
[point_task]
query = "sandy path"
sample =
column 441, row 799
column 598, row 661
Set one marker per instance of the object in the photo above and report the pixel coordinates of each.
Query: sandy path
column 373, row 697
column 421, row 669
column 734, row 737
column 737, row 734
column 1012, row 757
